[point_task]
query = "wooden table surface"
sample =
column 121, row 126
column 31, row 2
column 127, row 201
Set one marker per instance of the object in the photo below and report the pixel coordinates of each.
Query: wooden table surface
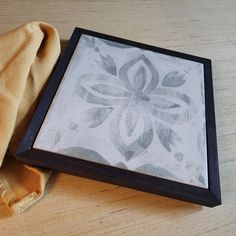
column 78, row 206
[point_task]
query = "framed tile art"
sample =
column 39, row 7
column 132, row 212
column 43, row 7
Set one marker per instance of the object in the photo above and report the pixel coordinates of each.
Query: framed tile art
column 130, row 114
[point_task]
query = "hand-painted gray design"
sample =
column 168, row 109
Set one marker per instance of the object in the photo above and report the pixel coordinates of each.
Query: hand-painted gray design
column 57, row 137
column 108, row 64
column 175, row 117
column 85, row 154
column 132, row 95
column 173, row 79
column 97, row 116
column 140, row 144
column 114, row 44
column 121, row 165
column 72, row 126
column 201, row 180
column 167, row 136
column 157, row 171
column 179, row 156
column 89, row 42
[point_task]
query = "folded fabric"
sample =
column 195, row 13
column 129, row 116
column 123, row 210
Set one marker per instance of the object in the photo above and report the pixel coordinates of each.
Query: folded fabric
column 27, row 57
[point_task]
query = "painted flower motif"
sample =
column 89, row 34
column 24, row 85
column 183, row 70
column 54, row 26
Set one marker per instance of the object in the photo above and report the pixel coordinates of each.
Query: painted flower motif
column 136, row 102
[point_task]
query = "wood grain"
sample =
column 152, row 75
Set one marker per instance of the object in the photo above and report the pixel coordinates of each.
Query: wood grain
column 77, row 206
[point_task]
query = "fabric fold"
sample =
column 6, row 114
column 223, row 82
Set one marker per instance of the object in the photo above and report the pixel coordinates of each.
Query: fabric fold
column 27, row 57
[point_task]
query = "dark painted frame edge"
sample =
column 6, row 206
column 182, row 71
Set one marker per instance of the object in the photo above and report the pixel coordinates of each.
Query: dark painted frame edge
column 101, row 172
column 208, row 197
column 212, row 152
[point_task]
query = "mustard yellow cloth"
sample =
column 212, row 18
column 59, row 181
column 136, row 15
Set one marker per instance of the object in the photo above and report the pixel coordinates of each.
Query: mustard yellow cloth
column 27, row 57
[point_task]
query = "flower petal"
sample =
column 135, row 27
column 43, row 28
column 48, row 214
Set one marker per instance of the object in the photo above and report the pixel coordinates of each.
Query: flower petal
column 97, row 116
column 161, row 103
column 85, row 154
column 84, row 91
column 131, row 120
column 90, row 98
column 90, row 79
column 155, row 77
column 173, row 79
column 140, row 78
column 110, row 90
column 108, row 64
column 167, row 136
column 174, row 118
column 104, row 79
column 139, row 145
column 123, row 73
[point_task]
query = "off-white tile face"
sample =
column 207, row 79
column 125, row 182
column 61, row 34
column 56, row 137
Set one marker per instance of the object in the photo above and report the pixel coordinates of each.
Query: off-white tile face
column 130, row 108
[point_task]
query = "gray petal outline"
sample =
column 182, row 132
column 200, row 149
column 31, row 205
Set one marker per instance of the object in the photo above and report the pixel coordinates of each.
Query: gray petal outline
column 96, row 116
column 87, row 96
column 123, row 73
column 173, row 118
column 163, row 104
column 172, row 93
column 139, row 145
column 131, row 120
column 108, row 64
column 90, row 98
column 167, row 136
column 83, row 153
column 173, row 79
column 110, row 90
column 140, row 79
column 99, row 78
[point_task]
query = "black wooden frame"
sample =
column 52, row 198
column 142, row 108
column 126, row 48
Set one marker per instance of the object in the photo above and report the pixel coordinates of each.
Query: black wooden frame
column 27, row 154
